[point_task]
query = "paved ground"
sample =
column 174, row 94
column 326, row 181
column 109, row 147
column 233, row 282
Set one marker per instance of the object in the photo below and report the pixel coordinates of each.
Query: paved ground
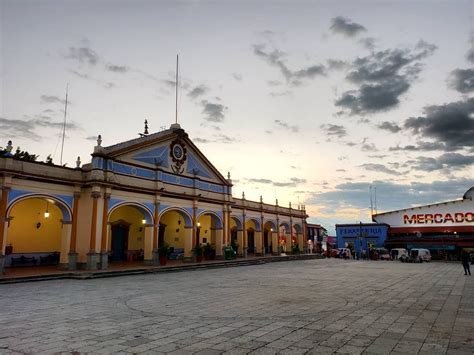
column 314, row 307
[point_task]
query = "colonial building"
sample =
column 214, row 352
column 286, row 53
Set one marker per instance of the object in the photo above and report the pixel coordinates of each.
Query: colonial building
column 132, row 197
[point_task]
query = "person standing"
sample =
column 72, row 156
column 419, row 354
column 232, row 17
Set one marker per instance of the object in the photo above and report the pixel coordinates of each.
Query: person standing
column 465, row 263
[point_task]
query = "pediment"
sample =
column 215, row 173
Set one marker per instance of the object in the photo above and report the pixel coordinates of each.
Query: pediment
column 169, row 151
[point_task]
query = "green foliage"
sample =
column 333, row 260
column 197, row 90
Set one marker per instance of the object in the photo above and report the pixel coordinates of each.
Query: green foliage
column 49, row 160
column 198, row 250
column 164, row 250
column 234, row 245
column 24, row 155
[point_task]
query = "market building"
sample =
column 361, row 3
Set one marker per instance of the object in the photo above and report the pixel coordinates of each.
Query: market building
column 133, row 197
column 444, row 228
column 361, row 236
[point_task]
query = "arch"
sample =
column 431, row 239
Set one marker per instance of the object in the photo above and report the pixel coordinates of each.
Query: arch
column 188, row 221
column 271, row 222
column 62, row 205
column 147, row 214
column 214, row 216
column 298, row 229
column 286, row 225
column 258, row 226
column 237, row 221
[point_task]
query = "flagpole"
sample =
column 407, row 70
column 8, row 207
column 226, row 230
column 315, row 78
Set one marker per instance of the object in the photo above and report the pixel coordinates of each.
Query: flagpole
column 176, row 89
column 64, row 126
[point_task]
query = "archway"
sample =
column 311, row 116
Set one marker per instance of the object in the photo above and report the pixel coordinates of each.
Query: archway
column 236, row 235
column 130, row 231
column 297, row 236
column 176, row 230
column 210, row 234
column 38, row 231
column 253, row 236
column 284, row 237
column 269, row 237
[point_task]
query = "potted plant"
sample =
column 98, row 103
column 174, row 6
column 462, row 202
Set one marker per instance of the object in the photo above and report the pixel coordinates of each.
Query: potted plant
column 209, row 252
column 198, row 252
column 295, row 249
column 163, row 252
column 234, row 246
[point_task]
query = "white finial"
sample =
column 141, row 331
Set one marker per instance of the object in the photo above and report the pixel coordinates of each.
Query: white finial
column 228, row 175
column 276, row 201
column 78, row 162
column 9, row 147
column 243, row 195
column 290, row 204
column 99, row 140
column 261, row 199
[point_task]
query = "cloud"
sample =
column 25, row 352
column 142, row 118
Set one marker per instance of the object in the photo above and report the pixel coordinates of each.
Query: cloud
column 287, row 126
column 281, row 93
column 341, row 170
column 451, row 124
column 390, row 195
column 117, row 68
column 53, row 99
column 368, row 43
column 470, row 52
column 294, row 182
column 382, row 78
column 197, row 91
column 420, row 146
column 105, row 84
column 445, row 161
column 380, row 168
column 389, row 126
column 276, row 57
column 462, row 80
column 346, row 27
column 213, row 112
column 83, row 55
column 237, row 76
column 201, row 140
column 334, row 130
column 92, row 138
column 336, row 64
column 27, row 128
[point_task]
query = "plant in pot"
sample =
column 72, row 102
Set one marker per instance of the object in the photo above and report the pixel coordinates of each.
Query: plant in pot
column 198, row 252
column 163, row 252
column 209, row 252
column 234, row 246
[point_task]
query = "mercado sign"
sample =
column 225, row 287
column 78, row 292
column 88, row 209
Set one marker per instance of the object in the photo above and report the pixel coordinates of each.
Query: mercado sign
column 439, row 218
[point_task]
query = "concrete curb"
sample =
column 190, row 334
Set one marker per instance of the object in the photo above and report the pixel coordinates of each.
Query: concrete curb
column 87, row 275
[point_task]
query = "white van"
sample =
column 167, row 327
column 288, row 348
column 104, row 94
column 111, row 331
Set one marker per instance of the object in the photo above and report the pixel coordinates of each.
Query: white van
column 420, row 255
column 399, row 254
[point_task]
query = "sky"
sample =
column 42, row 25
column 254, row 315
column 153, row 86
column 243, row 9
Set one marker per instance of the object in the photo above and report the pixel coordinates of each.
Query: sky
column 311, row 102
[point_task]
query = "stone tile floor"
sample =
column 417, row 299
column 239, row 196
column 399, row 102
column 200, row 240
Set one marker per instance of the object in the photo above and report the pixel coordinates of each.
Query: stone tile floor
column 297, row 307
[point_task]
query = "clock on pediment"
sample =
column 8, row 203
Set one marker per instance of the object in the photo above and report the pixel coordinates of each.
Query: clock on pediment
column 178, row 156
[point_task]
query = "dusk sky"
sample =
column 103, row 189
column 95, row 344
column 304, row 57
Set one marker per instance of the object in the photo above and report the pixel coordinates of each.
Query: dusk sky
column 305, row 101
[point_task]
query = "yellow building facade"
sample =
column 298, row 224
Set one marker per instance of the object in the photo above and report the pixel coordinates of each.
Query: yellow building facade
column 132, row 198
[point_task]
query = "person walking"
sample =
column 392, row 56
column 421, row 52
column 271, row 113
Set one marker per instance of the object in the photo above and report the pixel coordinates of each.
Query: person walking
column 465, row 263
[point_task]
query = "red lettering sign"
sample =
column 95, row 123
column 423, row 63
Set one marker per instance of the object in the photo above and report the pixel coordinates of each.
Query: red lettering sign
column 439, row 218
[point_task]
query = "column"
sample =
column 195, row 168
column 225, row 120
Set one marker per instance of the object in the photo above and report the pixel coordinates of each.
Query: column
column 244, row 236
column 226, row 226
column 258, row 243
column 92, row 257
column 148, row 244
column 219, row 243
column 3, row 225
column 240, row 242
column 156, row 230
column 72, row 256
column 274, row 236
column 188, row 243
column 301, row 242
column 66, row 229
column 104, row 250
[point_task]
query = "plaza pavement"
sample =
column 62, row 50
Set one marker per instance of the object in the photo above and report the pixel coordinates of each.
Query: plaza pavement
column 296, row 307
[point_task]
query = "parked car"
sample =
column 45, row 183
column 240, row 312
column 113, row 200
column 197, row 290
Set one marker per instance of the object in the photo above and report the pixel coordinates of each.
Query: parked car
column 418, row 255
column 399, row 254
column 381, row 254
column 331, row 253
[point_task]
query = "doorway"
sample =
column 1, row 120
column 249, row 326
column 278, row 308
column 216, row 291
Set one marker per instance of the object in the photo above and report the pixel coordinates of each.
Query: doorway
column 119, row 242
column 251, row 242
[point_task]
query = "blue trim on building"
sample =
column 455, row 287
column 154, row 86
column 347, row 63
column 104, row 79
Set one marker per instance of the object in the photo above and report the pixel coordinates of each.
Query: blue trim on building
column 361, row 236
column 195, row 166
column 157, row 156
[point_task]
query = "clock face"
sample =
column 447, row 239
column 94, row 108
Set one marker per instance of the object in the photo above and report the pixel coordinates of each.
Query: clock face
column 178, row 151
